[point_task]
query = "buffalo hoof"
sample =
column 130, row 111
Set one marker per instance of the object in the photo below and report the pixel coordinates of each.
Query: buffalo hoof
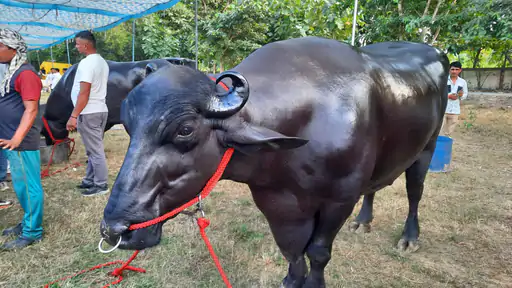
column 367, row 227
column 293, row 283
column 314, row 283
column 405, row 245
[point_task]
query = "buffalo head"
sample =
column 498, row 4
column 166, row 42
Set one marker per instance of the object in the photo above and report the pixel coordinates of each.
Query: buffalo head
column 180, row 126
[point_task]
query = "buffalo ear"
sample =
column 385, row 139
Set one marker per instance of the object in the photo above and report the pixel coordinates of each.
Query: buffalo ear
column 150, row 68
column 142, row 73
column 249, row 139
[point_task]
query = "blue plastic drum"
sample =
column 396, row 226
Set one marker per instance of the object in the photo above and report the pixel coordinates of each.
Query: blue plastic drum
column 442, row 155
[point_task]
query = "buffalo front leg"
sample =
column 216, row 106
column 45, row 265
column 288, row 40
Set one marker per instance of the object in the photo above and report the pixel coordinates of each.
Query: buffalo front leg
column 415, row 177
column 329, row 221
column 292, row 238
column 365, row 215
column 292, row 229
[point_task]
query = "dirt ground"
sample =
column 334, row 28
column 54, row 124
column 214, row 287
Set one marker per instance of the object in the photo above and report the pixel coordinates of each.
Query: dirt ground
column 465, row 218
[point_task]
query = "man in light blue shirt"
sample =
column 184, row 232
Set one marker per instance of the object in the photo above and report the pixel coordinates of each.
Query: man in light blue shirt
column 458, row 90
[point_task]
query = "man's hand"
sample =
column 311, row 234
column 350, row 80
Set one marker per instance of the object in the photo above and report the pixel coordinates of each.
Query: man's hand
column 71, row 125
column 10, row 144
column 452, row 96
column 460, row 93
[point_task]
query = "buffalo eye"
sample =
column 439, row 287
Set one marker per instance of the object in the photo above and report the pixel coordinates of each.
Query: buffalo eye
column 185, row 131
column 184, row 138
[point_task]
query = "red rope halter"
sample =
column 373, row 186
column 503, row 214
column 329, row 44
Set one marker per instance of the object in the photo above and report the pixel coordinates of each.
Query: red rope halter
column 46, row 172
column 201, row 222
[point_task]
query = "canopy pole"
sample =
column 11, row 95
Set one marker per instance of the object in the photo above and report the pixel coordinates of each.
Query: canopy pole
column 196, row 33
column 354, row 23
column 51, row 54
column 67, row 49
column 133, row 40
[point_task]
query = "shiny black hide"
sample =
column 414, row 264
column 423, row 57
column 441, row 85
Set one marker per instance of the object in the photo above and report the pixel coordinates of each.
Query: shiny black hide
column 315, row 124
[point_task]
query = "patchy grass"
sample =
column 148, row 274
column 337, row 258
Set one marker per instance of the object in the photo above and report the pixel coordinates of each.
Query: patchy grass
column 466, row 229
column 44, row 97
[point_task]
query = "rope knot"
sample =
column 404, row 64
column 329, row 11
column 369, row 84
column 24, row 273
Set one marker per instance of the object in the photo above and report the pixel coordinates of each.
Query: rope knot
column 117, row 272
column 203, row 223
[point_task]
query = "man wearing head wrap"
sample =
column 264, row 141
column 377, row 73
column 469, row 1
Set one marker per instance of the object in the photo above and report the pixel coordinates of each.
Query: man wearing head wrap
column 3, row 158
column 20, row 91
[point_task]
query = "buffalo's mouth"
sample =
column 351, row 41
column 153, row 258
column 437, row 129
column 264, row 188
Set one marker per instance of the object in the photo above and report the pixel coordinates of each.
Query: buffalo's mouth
column 141, row 238
column 138, row 239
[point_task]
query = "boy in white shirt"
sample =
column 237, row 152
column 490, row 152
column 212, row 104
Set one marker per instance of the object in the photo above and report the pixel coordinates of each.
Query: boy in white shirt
column 458, row 90
column 90, row 114
column 55, row 72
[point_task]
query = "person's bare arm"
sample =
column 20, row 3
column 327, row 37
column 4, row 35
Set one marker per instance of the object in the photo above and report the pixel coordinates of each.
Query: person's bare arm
column 83, row 98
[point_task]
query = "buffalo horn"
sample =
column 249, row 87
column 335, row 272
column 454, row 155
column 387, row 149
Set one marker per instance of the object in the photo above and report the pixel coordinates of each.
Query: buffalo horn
column 222, row 105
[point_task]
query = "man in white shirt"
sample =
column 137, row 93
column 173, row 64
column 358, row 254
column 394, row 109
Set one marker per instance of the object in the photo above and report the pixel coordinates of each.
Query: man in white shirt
column 54, row 79
column 457, row 91
column 90, row 114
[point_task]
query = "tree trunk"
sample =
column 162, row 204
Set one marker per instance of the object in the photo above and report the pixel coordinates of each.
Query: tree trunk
column 401, row 15
column 439, row 28
column 424, row 29
column 439, row 2
column 477, row 57
column 478, row 72
column 436, row 10
column 502, row 71
column 508, row 58
column 425, row 12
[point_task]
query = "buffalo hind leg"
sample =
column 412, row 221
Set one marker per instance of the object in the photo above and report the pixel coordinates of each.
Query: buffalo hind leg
column 415, row 177
column 330, row 219
column 365, row 215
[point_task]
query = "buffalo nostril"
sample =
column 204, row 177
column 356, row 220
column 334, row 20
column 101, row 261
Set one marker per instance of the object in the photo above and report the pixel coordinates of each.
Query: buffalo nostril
column 112, row 231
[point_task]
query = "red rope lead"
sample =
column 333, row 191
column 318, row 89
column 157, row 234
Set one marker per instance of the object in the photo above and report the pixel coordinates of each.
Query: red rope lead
column 117, row 272
column 201, row 222
column 46, row 172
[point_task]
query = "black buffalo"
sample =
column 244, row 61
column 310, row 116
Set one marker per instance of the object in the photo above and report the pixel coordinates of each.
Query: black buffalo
column 123, row 77
column 325, row 123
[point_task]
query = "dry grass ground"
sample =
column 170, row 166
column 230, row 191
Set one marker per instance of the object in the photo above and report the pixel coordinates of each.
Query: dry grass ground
column 465, row 218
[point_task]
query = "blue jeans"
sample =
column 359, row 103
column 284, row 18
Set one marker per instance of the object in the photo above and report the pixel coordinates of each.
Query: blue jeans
column 26, row 181
column 3, row 165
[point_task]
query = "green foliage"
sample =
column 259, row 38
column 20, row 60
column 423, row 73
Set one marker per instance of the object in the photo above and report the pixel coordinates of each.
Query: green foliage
column 476, row 32
column 234, row 34
column 296, row 18
column 468, row 123
column 169, row 33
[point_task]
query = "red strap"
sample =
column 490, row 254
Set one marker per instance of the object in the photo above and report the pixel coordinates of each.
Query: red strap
column 221, row 83
column 117, row 272
column 201, row 222
column 47, row 127
column 204, row 193
column 46, row 172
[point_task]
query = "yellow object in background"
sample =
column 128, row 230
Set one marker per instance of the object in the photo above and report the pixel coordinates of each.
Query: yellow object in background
column 48, row 65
